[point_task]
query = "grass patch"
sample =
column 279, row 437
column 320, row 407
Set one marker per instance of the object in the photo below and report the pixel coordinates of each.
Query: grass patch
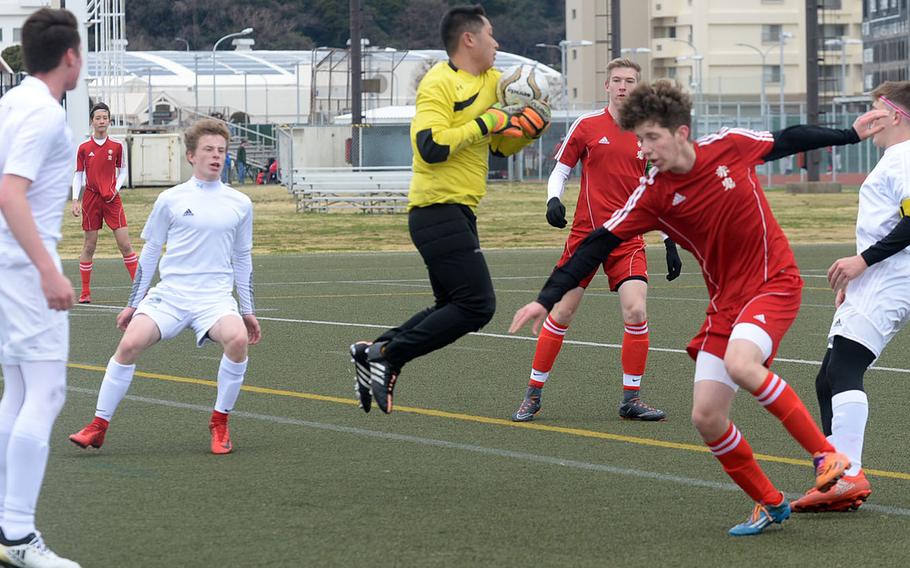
column 510, row 216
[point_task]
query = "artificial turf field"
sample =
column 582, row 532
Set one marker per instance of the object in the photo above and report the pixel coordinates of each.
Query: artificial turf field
column 447, row 479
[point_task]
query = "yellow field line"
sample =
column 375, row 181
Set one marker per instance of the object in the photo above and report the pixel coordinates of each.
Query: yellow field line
column 485, row 420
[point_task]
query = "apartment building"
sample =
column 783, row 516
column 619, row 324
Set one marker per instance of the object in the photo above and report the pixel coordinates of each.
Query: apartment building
column 13, row 14
column 886, row 42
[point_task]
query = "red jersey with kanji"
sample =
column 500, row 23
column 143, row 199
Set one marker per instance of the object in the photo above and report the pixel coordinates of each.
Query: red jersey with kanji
column 719, row 213
column 612, row 166
column 100, row 163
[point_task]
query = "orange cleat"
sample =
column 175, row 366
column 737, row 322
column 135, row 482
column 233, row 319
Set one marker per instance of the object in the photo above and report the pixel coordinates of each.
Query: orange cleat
column 829, row 467
column 85, row 297
column 221, row 437
column 92, row 435
column 848, row 494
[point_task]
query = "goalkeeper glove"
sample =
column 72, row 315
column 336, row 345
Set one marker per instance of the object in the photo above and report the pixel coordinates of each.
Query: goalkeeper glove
column 556, row 213
column 534, row 118
column 502, row 120
column 674, row 263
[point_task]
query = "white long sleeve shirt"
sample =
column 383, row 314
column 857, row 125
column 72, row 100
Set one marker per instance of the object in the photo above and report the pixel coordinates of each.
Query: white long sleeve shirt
column 208, row 230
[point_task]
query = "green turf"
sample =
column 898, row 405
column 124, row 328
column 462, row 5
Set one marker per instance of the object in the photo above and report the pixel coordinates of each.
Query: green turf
column 299, row 494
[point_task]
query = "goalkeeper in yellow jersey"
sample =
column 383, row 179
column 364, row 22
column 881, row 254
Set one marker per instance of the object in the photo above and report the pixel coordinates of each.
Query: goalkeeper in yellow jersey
column 456, row 125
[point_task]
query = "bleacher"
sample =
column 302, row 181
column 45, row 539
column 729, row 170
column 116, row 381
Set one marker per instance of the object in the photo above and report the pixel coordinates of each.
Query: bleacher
column 377, row 190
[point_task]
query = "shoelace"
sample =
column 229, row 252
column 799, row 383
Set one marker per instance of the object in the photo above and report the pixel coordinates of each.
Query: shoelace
column 637, row 402
column 757, row 511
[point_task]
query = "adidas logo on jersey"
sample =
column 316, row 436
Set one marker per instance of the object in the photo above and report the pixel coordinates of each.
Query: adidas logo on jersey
column 188, row 213
column 678, row 198
column 760, row 317
column 91, row 154
column 604, row 140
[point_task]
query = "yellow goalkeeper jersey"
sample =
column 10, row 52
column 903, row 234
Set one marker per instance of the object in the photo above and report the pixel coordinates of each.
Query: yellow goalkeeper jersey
column 449, row 141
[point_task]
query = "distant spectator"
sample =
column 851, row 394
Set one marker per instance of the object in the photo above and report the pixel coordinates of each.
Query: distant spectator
column 241, row 162
column 273, row 171
column 226, row 172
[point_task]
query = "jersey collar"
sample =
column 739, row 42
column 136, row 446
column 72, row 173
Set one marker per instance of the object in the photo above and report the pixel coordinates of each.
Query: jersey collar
column 205, row 185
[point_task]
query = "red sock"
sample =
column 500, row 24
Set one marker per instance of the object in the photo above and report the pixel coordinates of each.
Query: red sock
column 635, row 342
column 85, row 271
column 131, row 261
column 219, row 417
column 549, row 342
column 735, row 455
column 781, row 400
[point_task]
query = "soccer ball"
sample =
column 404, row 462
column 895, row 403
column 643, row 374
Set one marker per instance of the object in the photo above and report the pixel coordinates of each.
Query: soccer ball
column 518, row 85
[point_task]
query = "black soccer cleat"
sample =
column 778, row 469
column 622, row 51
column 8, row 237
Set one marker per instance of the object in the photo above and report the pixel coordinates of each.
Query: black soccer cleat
column 362, row 390
column 635, row 409
column 382, row 377
column 529, row 407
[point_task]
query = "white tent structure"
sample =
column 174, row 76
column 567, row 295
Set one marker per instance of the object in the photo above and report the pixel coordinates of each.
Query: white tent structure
column 283, row 87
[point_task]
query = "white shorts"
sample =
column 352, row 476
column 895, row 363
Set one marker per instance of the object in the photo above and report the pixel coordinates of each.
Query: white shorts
column 173, row 313
column 877, row 306
column 709, row 367
column 29, row 330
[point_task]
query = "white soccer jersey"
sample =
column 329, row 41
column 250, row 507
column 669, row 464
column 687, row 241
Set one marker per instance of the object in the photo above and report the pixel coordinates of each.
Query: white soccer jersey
column 36, row 143
column 208, row 230
column 877, row 303
column 880, row 198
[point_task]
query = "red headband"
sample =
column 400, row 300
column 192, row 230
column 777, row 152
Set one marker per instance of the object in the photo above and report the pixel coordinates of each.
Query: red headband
column 893, row 106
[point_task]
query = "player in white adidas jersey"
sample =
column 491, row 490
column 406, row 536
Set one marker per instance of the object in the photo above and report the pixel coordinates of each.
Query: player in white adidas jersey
column 36, row 155
column 872, row 299
column 208, row 230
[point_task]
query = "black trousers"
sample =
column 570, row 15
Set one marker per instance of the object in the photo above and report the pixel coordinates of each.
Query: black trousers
column 446, row 237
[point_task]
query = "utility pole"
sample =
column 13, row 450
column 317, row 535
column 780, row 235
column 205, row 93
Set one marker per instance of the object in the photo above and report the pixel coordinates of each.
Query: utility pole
column 812, row 158
column 615, row 26
column 356, row 85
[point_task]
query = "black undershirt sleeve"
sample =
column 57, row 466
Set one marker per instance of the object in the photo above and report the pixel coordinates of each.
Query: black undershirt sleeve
column 803, row 137
column 892, row 243
column 593, row 251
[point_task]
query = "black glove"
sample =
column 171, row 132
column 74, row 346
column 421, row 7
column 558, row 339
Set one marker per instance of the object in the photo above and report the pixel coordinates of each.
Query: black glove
column 556, row 213
column 674, row 263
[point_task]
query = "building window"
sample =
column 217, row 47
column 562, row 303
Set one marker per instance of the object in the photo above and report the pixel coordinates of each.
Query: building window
column 671, row 72
column 770, row 33
column 573, row 13
column 772, row 74
column 574, row 54
column 574, row 92
column 832, row 4
column 17, row 34
column 671, row 31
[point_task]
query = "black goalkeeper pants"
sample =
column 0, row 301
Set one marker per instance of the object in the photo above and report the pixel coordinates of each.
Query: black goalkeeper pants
column 446, row 237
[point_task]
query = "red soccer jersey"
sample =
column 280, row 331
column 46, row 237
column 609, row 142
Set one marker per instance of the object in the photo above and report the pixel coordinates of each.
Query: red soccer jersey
column 612, row 166
column 100, row 163
column 719, row 213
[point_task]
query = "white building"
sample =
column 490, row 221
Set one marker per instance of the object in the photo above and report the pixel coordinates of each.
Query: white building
column 13, row 14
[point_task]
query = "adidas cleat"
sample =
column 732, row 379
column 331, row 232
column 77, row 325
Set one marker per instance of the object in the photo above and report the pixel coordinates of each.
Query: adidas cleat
column 31, row 552
column 829, row 467
column 529, row 407
column 362, row 389
column 92, row 435
column 85, row 298
column 382, row 377
column 762, row 516
column 635, row 409
column 848, row 494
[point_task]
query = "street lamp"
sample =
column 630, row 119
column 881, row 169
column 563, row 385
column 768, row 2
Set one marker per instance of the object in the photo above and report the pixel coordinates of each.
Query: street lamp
column 782, row 39
column 698, row 58
column 246, row 31
column 842, row 42
column 563, row 46
column 762, row 100
column 635, row 51
column 184, row 41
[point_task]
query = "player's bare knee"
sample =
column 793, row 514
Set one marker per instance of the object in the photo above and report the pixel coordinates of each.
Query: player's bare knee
column 88, row 249
column 708, row 420
column 741, row 369
column 564, row 313
column 636, row 313
column 235, row 346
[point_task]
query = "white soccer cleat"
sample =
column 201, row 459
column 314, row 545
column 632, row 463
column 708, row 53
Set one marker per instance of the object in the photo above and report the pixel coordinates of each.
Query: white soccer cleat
column 31, row 552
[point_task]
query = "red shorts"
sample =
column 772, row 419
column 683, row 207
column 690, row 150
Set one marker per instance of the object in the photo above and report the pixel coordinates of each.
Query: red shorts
column 773, row 308
column 95, row 210
column 627, row 262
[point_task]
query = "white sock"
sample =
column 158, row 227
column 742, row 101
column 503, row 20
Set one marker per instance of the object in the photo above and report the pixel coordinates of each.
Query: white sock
column 117, row 379
column 28, row 447
column 848, row 426
column 230, row 379
column 540, row 376
column 13, row 395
